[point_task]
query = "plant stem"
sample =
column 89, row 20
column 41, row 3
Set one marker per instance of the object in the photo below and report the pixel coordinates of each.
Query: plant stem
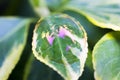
column 42, row 10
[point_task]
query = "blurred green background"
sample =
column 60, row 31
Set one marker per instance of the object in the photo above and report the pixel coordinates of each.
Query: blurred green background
column 16, row 8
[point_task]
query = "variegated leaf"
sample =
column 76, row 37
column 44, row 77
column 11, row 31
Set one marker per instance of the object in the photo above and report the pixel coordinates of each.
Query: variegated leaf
column 13, row 34
column 60, row 42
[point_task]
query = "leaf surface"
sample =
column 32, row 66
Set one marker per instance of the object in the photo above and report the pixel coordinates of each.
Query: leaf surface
column 13, row 33
column 106, row 57
column 103, row 13
column 60, row 42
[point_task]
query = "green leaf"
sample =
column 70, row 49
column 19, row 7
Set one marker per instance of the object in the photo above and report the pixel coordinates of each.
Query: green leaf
column 19, row 70
column 106, row 57
column 60, row 42
column 13, row 33
column 103, row 13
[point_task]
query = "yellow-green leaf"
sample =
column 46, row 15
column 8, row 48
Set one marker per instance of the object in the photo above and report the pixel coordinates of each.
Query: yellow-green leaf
column 13, row 34
column 103, row 13
column 106, row 57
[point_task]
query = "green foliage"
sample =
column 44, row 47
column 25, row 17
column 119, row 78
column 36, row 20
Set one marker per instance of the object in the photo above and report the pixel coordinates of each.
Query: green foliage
column 107, row 52
column 60, row 42
column 104, row 15
column 13, row 38
column 64, row 44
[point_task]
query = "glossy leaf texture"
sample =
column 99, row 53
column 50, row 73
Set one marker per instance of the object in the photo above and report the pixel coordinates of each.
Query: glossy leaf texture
column 103, row 13
column 13, row 34
column 106, row 57
column 60, row 42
